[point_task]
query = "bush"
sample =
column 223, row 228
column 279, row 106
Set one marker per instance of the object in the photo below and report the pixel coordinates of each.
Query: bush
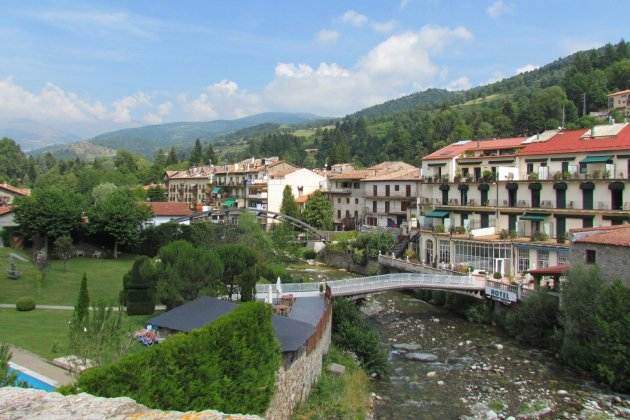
column 25, row 304
column 5, row 237
column 497, row 275
column 229, row 365
column 535, row 320
column 352, row 332
column 309, row 254
column 439, row 229
column 139, row 287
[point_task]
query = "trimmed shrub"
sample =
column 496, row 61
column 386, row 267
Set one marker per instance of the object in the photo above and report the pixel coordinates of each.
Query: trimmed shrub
column 309, row 254
column 25, row 304
column 229, row 365
column 139, row 287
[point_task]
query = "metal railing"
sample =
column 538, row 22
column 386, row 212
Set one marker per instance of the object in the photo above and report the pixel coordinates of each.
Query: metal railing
column 402, row 281
column 289, row 287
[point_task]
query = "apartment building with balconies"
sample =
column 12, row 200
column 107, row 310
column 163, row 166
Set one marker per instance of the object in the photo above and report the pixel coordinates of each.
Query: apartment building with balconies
column 520, row 213
column 192, row 186
column 391, row 196
column 620, row 101
column 245, row 184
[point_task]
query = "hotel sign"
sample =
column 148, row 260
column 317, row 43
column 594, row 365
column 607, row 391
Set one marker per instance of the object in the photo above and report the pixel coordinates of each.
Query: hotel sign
column 501, row 295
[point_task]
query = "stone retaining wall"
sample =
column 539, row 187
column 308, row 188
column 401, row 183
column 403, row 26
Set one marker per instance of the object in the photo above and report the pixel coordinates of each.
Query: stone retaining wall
column 294, row 383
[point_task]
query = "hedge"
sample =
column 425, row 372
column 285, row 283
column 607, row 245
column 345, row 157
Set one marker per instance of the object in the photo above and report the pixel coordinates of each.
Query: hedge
column 229, row 365
column 25, row 304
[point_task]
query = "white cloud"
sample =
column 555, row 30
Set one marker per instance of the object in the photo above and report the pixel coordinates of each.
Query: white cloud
column 163, row 110
column 327, row 35
column 224, row 99
column 462, row 83
column 51, row 102
column 497, row 8
column 384, row 27
column 353, row 18
column 394, row 67
column 526, row 68
column 124, row 106
column 404, row 3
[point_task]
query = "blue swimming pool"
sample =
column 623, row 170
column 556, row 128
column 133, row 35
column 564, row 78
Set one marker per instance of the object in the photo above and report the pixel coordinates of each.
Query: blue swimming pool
column 32, row 381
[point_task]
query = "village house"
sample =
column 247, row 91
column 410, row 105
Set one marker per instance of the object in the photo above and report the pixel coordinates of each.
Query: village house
column 164, row 212
column 190, row 186
column 8, row 193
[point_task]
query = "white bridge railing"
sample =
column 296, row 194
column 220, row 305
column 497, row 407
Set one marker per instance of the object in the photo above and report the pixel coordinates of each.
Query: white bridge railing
column 361, row 285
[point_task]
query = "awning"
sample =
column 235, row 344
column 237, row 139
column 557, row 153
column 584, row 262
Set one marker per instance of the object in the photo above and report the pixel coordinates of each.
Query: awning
column 229, row 202
column 216, row 190
column 534, row 217
column 554, row 270
column 596, row 159
column 437, row 214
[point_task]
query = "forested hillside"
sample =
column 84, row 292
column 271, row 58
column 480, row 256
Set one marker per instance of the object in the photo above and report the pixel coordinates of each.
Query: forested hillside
column 521, row 105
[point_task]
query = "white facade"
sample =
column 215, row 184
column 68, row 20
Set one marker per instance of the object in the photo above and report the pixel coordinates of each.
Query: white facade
column 302, row 182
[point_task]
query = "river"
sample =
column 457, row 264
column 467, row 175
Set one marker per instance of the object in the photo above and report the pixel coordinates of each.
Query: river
column 478, row 373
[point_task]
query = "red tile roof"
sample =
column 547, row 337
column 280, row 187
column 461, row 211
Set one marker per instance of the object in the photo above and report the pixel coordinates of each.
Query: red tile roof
column 550, row 271
column 456, row 149
column 302, row 199
column 621, row 92
column 572, row 141
column 15, row 190
column 159, row 208
column 5, row 210
column 616, row 236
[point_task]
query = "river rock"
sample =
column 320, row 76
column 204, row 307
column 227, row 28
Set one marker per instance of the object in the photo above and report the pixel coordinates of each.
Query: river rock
column 421, row 357
column 407, row 346
column 498, row 346
column 440, row 383
column 431, row 374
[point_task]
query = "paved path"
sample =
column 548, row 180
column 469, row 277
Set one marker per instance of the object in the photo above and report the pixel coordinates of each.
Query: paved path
column 64, row 307
column 40, row 366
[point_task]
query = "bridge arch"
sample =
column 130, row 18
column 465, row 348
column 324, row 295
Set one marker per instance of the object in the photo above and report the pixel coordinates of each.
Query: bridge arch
column 261, row 214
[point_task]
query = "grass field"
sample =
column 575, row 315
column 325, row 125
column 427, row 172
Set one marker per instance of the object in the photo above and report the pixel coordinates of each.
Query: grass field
column 56, row 286
column 45, row 332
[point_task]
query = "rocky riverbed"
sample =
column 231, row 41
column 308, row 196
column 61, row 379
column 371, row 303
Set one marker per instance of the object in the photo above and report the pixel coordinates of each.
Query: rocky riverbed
column 443, row 367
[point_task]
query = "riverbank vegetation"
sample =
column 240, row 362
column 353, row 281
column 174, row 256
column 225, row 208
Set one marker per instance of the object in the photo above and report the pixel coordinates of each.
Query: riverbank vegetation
column 338, row 396
column 588, row 331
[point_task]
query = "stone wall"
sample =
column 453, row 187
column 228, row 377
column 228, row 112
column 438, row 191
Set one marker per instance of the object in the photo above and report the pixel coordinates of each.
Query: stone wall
column 612, row 260
column 33, row 404
column 344, row 261
column 294, row 383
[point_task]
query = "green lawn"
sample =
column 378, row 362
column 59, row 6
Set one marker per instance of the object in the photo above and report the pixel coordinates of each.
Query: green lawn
column 60, row 287
column 45, row 332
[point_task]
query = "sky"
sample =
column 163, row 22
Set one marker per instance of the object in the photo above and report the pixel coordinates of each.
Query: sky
column 90, row 67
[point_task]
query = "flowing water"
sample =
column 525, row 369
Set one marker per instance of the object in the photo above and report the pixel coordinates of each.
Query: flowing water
column 472, row 370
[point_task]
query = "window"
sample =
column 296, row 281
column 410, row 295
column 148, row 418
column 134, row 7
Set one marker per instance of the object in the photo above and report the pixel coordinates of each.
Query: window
column 347, row 200
column 523, row 260
column 356, row 214
column 484, row 197
column 338, row 200
column 374, row 208
column 464, row 172
column 565, row 167
column 543, row 259
column 530, row 168
column 485, row 220
column 408, row 190
column 387, row 207
column 374, row 190
column 535, row 199
column 404, row 205
column 347, row 213
column 590, row 256
column 338, row 214
column 387, row 190
column 561, row 199
column 445, row 252
column 356, row 201
column 477, row 173
column 587, row 199
column 371, row 221
column 511, row 198
column 583, row 168
column 396, row 187
column 480, row 255
column 464, row 197
column 616, row 199
column 355, row 185
column 444, row 197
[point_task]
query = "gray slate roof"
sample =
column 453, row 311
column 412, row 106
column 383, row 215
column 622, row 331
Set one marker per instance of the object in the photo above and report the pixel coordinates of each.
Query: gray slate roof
column 292, row 334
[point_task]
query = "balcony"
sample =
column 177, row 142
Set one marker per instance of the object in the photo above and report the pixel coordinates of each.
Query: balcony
column 257, row 195
column 334, row 190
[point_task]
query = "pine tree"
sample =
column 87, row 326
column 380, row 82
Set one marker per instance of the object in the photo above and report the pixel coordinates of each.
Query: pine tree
column 211, row 157
column 172, row 157
column 83, row 302
column 196, row 155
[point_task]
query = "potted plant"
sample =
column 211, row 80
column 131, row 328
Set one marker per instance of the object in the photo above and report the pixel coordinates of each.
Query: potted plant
column 458, row 176
column 513, row 234
column 487, row 175
column 439, row 229
column 605, row 174
column 557, row 176
column 596, row 174
column 504, row 234
column 533, row 176
column 497, row 275
column 469, row 178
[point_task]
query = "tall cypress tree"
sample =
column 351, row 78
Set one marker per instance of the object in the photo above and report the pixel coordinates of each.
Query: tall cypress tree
column 83, row 302
column 196, row 155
